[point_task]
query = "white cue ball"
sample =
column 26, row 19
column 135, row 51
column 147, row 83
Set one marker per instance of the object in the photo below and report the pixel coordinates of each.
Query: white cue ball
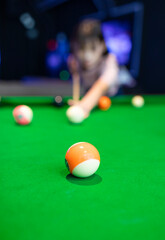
column 75, row 114
column 138, row 101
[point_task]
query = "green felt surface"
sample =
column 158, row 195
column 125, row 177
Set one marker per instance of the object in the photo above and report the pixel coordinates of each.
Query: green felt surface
column 124, row 200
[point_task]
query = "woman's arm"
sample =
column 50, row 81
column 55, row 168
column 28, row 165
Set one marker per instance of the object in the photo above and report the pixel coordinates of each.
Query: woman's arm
column 101, row 86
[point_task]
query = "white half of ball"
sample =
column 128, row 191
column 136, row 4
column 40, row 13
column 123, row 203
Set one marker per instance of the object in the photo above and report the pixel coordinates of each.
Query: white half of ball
column 75, row 114
column 86, row 168
column 28, row 114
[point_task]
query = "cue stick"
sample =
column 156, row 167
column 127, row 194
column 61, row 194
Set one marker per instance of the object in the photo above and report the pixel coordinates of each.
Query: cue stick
column 76, row 86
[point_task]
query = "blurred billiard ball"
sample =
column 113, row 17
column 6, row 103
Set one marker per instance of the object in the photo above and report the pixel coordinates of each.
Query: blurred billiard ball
column 23, row 114
column 75, row 114
column 138, row 101
column 104, row 103
column 58, row 101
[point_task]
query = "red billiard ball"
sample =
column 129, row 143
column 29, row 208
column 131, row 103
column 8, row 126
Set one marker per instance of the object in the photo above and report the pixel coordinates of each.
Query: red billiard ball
column 104, row 103
column 23, row 114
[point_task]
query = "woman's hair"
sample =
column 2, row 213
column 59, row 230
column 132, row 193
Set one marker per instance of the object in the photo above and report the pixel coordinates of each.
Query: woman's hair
column 87, row 31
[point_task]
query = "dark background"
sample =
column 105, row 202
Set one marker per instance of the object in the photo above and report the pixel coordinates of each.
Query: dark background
column 17, row 51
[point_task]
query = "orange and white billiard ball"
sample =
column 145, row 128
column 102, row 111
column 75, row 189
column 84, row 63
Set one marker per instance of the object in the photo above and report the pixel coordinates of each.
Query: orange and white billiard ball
column 138, row 101
column 82, row 159
column 104, row 103
column 23, row 114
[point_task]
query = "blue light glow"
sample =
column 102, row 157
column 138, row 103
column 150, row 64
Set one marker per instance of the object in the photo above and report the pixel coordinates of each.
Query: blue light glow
column 118, row 40
column 53, row 60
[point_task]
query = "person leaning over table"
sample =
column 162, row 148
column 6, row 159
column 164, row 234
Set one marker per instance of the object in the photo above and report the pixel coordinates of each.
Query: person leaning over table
column 98, row 69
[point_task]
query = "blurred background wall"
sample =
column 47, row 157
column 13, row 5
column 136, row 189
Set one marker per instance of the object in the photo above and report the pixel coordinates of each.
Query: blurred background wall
column 26, row 39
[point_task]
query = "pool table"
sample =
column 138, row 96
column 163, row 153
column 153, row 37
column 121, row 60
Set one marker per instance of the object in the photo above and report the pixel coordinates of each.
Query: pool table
column 125, row 199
